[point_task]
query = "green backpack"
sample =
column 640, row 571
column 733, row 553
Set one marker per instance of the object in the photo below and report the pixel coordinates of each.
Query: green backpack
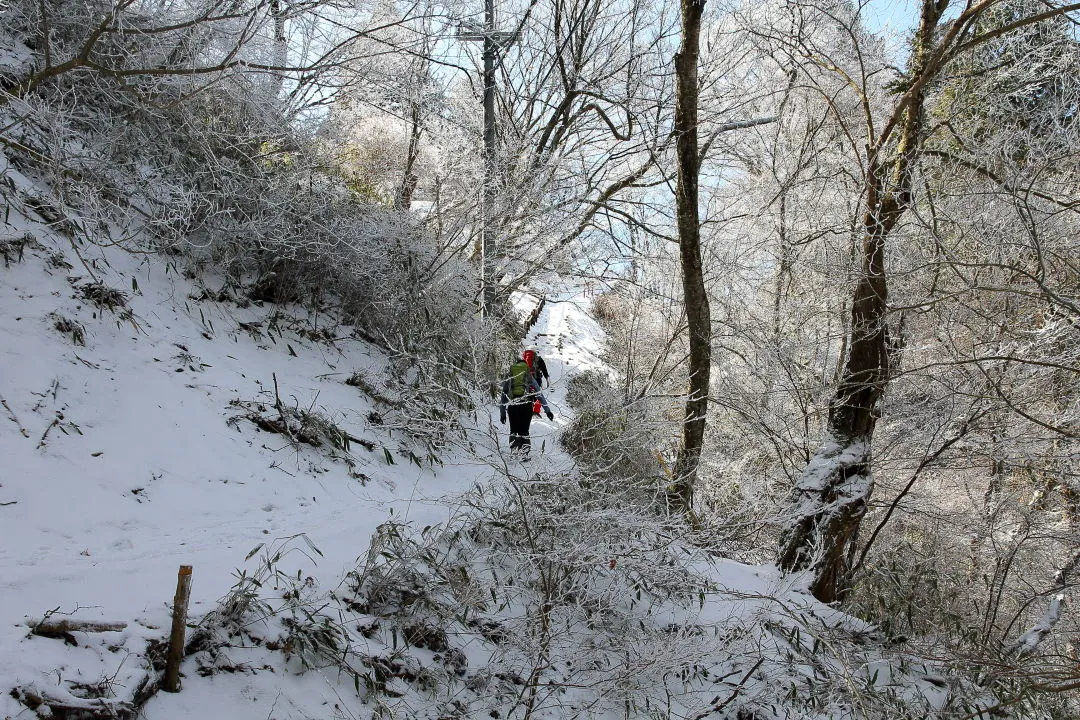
column 519, row 379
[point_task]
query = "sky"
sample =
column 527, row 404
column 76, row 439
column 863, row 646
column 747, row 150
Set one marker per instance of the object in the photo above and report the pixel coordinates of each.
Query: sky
column 893, row 20
column 890, row 15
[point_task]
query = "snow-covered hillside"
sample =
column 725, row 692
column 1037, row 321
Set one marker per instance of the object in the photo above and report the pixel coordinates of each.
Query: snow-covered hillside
column 131, row 447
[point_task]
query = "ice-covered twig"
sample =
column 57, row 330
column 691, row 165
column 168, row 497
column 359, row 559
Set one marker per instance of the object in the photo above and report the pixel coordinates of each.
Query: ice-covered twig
column 14, row 418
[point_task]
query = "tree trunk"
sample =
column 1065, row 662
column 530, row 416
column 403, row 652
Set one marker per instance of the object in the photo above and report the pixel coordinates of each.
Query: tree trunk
column 410, row 179
column 281, row 48
column 66, row 626
column 831, row 495
column 695, row 298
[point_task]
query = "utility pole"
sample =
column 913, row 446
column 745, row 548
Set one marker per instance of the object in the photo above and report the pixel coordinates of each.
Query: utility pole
column 492, row 40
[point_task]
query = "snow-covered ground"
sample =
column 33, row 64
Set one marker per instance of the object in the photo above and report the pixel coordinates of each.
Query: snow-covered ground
column 122, row 458
column 131, row 399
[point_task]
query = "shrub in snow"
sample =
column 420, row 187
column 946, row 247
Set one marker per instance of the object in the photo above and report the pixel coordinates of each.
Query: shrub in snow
column 103, row 296
column 554, row 597
column 14, row 249
column 610, row 436
column 936, row 591
column 67, row 326
column 609, row 308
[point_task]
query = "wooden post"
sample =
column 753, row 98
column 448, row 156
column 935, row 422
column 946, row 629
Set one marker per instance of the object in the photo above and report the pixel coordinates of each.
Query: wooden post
column 171, row 681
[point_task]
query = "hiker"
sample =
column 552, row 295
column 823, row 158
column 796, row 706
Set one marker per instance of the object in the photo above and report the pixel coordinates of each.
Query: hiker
column 537, row 367
column 519, row 391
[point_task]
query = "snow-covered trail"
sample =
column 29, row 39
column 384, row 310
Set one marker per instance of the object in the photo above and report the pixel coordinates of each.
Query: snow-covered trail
column 569, row 340
column 425, row 501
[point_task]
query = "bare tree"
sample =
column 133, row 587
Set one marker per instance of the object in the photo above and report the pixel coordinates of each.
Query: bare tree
column 695, row 298
column 832, row 494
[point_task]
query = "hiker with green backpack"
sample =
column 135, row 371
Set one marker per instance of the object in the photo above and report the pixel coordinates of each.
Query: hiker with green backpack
column 520, row 390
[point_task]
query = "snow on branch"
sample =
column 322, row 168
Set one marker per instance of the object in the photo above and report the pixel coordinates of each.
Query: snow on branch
column 1028, row 642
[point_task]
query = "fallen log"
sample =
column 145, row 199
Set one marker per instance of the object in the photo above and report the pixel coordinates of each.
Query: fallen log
column 72, row 708
column 62, row 628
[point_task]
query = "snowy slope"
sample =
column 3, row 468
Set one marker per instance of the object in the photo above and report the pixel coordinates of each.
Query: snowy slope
column 130, row 443
column 124, row 457
column 142, row 467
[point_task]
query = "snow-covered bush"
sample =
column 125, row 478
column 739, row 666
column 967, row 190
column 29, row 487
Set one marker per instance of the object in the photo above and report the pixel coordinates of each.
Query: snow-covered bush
column 609, row 308
column 508, row 607
column 609, row 436
column 981, row 590
column 559, row 596
column 562, row 614
column 207, row 164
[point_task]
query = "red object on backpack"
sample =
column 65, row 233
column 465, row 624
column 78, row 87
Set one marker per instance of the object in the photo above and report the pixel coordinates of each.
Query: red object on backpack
column 537, row 407
column 529, row 356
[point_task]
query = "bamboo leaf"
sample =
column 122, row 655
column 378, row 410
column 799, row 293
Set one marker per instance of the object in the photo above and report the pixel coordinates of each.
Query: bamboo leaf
column 311, row 545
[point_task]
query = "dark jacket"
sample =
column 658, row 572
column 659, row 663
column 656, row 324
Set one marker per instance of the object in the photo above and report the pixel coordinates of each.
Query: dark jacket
column 541, row 370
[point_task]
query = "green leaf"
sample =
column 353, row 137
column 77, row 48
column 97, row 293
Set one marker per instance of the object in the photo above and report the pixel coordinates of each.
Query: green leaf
column 291, row 351
column 389, row 457
column 254, row 550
